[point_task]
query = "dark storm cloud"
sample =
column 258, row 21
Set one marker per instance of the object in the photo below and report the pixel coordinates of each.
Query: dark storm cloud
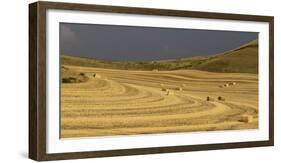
column 145, row 43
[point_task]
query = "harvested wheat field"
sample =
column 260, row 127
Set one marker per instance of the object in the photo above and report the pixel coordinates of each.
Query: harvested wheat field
column 126, row 102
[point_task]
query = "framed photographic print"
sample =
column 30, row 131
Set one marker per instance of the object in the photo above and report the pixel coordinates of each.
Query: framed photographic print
column 112, row 81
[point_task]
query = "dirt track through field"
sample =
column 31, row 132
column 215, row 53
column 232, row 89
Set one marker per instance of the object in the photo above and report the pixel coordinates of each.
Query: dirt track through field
column 124, row 102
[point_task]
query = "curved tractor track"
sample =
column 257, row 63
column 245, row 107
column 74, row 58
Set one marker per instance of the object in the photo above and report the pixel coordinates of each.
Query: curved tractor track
column 122, row 102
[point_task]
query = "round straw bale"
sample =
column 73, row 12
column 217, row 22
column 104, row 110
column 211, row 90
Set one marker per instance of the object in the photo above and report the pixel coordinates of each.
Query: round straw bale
column 221, row 98
column 247, row 118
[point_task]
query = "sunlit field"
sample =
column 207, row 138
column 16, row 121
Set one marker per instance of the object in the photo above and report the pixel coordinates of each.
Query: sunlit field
column 107, row 102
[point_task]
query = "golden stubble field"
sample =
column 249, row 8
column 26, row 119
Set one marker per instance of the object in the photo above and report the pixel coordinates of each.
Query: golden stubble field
column 123, row 102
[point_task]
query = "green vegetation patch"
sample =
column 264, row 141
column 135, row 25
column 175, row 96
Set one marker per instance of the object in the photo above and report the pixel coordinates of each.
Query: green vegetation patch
column 71, row 76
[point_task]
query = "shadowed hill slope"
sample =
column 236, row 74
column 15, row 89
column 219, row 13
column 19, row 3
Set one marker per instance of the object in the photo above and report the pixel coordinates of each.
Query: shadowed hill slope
column 243, row 59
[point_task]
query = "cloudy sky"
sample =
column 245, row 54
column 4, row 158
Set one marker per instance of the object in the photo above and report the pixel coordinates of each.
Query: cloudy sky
column 111, row 42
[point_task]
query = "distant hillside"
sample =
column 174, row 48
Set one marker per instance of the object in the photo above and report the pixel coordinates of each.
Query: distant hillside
column 243, row 59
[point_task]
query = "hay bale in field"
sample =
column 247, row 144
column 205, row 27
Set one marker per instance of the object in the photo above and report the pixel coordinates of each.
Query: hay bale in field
column 226, row 85
column 232, row 83
column 210, row 98
column 164, row 89
column 247, row 118
column 96, row 75
column 220, row 86
column 221, row 98
column 169, row 92
column 179, row 89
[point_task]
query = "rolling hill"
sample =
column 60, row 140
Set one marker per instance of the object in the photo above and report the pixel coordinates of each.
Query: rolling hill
column 243, row 59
